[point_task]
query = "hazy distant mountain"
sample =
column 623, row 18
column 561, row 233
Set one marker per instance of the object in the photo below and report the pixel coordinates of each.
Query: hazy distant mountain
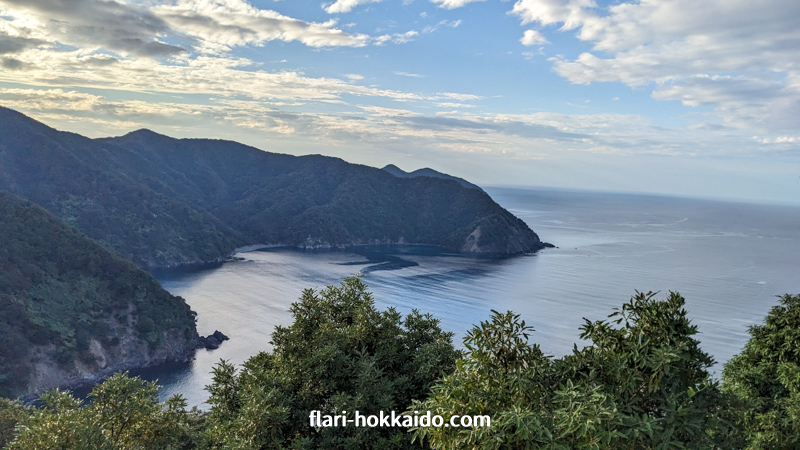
column 427, row 172
column 162, row 201
column 70, row 310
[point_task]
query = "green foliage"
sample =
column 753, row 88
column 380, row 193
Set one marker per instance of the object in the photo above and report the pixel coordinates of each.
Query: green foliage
column 59, row 291
column 642, row 383
column 122, row 413
column 160, row 201
column 340, row 354
column 61, row 423
column 501, row 376
column 12, row 413
column 766, row 376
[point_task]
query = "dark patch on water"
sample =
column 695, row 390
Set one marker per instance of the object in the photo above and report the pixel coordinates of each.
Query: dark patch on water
column 186, row 269
column 382, row 258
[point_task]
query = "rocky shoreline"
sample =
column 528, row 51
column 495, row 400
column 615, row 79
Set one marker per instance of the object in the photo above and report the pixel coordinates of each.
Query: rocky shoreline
column 83, row 377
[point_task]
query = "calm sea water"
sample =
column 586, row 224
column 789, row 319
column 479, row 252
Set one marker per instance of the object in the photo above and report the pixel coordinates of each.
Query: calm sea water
column 728, row 260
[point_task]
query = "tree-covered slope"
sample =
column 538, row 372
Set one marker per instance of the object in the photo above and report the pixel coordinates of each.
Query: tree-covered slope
column 428, row 172
column 103, row 193
column 71, row 310
column 316, row 200
column 163, row 201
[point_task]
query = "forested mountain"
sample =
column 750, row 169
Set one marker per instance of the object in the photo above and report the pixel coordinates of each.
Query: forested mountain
column 161, row 201
column 100, row 190
column 428, row 172
column 71, row 310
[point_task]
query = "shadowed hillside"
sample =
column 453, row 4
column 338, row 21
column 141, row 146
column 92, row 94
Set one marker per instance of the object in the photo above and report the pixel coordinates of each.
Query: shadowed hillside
column 161, row 201
column 71, row 311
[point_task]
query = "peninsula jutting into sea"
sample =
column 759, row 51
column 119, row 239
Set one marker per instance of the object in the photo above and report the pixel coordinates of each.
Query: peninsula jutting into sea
column 161, row 202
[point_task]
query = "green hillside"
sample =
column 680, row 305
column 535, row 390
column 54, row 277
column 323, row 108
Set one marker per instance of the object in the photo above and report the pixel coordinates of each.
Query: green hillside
column 161, row 201
column 72, row 309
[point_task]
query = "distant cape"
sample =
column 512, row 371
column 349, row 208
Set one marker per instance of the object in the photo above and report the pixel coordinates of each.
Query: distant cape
column 163, row 202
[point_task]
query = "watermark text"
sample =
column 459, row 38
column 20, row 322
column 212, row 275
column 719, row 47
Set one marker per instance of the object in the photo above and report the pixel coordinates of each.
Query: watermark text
column 392, row 419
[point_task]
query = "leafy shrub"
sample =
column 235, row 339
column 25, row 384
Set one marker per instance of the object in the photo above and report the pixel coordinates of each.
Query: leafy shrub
column 641, row 383
column 340, row 354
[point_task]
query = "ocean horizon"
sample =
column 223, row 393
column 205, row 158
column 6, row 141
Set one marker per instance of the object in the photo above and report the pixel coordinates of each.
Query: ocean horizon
column 729, row 260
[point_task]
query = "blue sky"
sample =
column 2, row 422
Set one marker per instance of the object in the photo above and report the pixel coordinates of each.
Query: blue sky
column 660, row 96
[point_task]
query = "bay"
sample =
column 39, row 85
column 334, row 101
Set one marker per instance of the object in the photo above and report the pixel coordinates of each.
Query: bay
column 729, row 260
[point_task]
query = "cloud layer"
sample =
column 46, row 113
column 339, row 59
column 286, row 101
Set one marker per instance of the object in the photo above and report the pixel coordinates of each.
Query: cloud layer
column 737, row 57
column 162, row 30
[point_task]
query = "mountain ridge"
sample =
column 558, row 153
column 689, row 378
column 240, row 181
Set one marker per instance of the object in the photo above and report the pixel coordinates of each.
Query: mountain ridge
column 161, row 201
column 428, row 172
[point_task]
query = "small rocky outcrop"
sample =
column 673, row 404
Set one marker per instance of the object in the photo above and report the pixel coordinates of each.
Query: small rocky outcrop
column 212, row 341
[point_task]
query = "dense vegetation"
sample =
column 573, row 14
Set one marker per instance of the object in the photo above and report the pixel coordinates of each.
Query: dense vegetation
column 88, row 187
column 340, row 354
column 641, row 383
column 60, row 292
column 427, row 172
column 160, row 201
column 121, row 413
column 766, row 378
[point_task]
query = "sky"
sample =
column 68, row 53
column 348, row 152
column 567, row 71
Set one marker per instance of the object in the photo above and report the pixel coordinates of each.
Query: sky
column 677, row 97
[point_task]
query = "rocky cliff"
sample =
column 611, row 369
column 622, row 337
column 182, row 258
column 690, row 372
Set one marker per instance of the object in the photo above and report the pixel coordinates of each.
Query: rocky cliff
column 71, row 311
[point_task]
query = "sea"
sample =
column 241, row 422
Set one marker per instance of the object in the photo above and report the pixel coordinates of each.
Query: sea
column 729, row 260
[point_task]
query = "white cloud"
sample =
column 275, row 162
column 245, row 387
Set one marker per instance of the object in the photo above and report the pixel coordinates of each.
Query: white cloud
column 446, row 23
column 737, row 57
column 235, row 22
column 129, row 29
column 781, row 140
column 402, row 38
column 160, row 30
column 345, row 6
column 212, row 75
column 547, row 12
column 397, row 38
column 533, row 37
column 457, row 96
column 742, row 102
column 235, row 96
column 388, row 112
column 412, row 75
column 453, row 4
column 454, row 105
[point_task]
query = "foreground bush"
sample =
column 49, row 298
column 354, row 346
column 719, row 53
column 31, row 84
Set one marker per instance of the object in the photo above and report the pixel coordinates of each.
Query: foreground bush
column 641, row 383
column 122, row 413
column 766, row 377
column 12, row 413
column 340, row 354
